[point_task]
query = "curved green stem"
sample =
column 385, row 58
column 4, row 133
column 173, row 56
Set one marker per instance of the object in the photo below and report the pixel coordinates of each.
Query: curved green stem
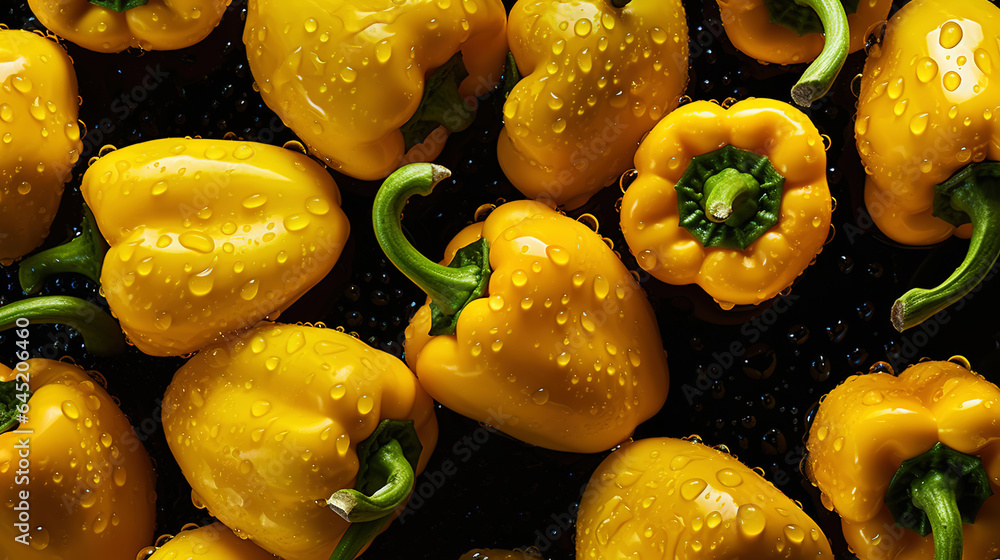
column 387, row 462
column 441, row 104
column 83, row 254
column 935, row 495
column 356, row 537
column 820, row 75
column 449, row 287
column 10, row 398
column 937, row 492
column 101, row 334
column 390, row 463
column 119, row 5
column 731, row 197
column 981, row 206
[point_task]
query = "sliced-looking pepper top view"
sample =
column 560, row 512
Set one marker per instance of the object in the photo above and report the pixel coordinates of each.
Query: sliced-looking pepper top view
column 735, row 200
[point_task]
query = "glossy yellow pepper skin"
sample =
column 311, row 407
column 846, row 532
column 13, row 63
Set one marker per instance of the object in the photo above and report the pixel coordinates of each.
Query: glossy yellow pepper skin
column 90, row 482
column 919, row 123
column 749, row 26
column 870, row 424
column 672, row 498
column 211, row 542
column 651, row 219
column 928, row 138
column 265, row 427
column 561, row 350
column 346, row 76
column 210, row 236
column 111, row 26
column 596, row 79
column 40, row 135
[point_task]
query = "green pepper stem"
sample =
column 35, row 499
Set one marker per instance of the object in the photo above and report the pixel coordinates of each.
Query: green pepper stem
column 119, row 6
column 441, row 105
column 10, row 397
column 820, row 75
column 935, row 495
column 357, row 536
column 83, row 254
column 389, row 462
column 982, row 205
column 101, row 334
column 450, row 288
column 730, row 197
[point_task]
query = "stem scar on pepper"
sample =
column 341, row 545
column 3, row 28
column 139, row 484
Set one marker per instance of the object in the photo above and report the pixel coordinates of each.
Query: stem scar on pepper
column 967, row 196
column 387, row 463
column 119, row 6
column 936, row 493
column 729, row 197
column 450, row 287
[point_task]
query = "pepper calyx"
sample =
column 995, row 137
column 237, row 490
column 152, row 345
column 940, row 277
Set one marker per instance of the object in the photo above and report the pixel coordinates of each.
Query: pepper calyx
column 119, row 6
column 387, row 462
column 84, row 254
column 441, row 104
column 10, row 398
column 703, row 178
column 936, row 493
column 970, row 195
column 511, row 75
column 101, row 334
column 451, row 287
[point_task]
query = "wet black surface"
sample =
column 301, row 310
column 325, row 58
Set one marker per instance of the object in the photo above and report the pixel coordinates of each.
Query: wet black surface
column 748, row 379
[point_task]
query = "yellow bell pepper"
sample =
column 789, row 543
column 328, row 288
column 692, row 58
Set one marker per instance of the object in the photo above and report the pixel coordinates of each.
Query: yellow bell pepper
column 211, row 542
column 672, row 498
column 369, row 85
column 111, row 26
column 925, row 125
column 40, row 135
column 76, row 478
column 272, row 428
column 207, row 237
column 900, row 457
column 734, row 200
column 794, row 31
column 598, row 74
column 535, row 327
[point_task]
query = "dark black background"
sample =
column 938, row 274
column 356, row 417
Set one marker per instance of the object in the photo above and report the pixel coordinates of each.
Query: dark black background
column 498, row 492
